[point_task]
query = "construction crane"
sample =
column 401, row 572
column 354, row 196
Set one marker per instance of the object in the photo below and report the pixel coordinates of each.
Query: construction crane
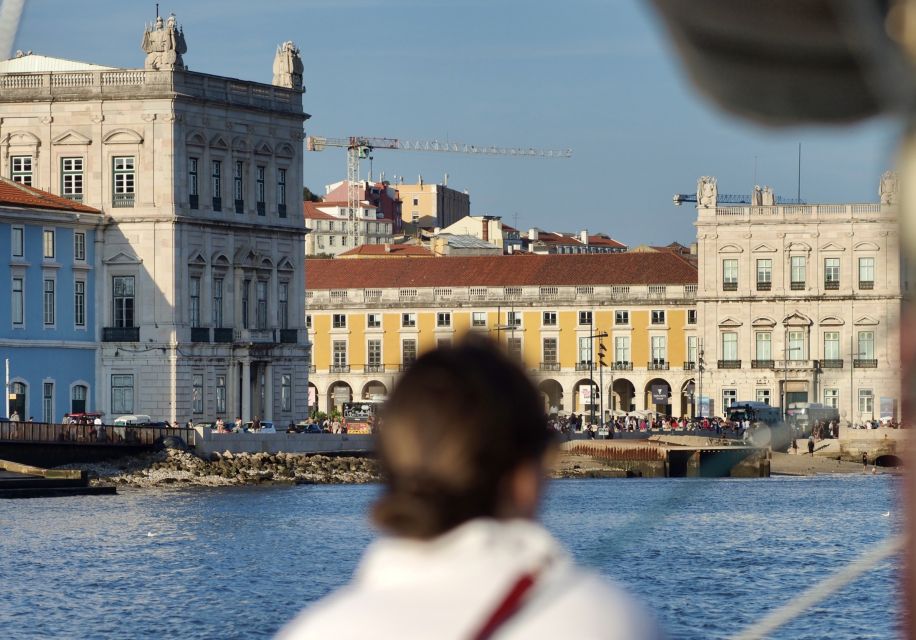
column 729, row 198
column 359, row 147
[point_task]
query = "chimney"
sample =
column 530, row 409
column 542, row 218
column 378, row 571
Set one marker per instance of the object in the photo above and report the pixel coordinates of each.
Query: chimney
column 532, row 235
column 583, row 236
column 445, row 181
column 485, row 229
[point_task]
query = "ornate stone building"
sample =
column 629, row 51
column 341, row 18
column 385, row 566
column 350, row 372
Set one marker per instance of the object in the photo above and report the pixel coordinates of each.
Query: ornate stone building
column 801, row 303
column 200, row 297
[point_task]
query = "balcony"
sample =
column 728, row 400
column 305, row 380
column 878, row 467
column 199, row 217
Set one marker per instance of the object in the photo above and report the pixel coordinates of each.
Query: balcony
column 193, row 201
column 240, row 206
column 281, row 210
column 866, row 284
column 859, row 363
column 217, row 204
column 584, row 366
column 122, row 200
column 831, row 364
column 797, row 286
column 832, row 284
column 762, row 364
column 200, row 334
column 764, row 286
column 340, row 368
column 690, row 366
column 75, row 197
column 728, row 364
column 121, row 334
column 222, row 335
column 262, row 209
column 729, row 286
column 621, row 365
column 550, row 366
column 374, row 368
column 657, row 365
column 289, row 336
column 404, row 366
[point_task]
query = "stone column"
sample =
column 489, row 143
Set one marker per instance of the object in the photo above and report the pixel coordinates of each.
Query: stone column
column 246, row 390
column 268, row 407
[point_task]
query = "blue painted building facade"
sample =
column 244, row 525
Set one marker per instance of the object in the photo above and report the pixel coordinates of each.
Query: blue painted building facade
column 48, row 328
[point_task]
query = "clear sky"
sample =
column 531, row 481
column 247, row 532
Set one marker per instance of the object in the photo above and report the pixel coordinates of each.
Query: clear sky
column 596, row 76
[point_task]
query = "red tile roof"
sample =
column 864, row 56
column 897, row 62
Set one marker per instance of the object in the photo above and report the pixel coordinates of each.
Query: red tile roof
column 604, row 241
column 511, row 270
column 312, row 212
column 19, row 195
column 392, row 250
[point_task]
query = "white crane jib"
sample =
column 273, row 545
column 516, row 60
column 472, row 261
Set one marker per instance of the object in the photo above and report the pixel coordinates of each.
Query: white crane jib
column 359, row 147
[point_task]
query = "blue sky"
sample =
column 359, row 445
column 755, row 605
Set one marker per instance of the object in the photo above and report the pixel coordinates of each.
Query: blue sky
column 596, row 76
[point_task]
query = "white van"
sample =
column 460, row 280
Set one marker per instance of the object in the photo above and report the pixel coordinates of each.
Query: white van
column 126, row 421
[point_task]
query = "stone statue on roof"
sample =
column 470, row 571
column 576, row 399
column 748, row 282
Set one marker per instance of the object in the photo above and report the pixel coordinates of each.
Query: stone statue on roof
column 757, row 196
column 164, row 44
column 887, row 188
column 288, row 66
column 707, row 192
column 768, row 198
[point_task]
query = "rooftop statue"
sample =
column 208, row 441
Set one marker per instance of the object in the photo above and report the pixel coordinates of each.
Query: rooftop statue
column 768, row 198
column 164, row 45
column 288, row 66
column 707, row 192
column 887, row 188
column 757, row 196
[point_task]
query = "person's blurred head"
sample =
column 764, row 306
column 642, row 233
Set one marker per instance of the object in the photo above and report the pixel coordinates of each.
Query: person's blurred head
column 463, row 435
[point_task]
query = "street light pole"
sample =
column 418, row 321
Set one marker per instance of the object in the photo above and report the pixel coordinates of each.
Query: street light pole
column 591, row 365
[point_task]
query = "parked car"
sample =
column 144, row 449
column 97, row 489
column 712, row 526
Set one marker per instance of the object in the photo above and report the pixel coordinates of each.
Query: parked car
column 123, row 421
column 266, row 427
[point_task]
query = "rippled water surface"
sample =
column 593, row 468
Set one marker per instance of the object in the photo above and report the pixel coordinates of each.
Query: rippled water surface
column 709, row 556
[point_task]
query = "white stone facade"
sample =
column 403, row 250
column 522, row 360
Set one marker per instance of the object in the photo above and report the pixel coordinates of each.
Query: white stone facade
column 200, row 180
column 801, row 303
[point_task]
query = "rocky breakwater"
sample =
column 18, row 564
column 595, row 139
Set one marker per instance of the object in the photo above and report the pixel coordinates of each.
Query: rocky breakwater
column 172, row 467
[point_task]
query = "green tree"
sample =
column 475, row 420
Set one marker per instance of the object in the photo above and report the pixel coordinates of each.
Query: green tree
column 308, row 196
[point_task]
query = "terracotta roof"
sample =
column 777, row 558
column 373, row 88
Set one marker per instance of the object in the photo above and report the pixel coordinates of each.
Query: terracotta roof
column 605, row 241
column 312, row 212
column 557, row 238
column 510, row 270
column 393, row 250
column 19, row 195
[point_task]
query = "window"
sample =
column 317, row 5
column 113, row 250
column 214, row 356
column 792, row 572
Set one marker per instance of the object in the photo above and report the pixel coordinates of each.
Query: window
column 122, row 393
column 78, row 396
column 416, row 202
column 658, row 317
column 197, row 393
column 831, row 345
column 831, row 273
column 281, row 192
column 21, row 169
column 585, row 317
column 340, row 353
column 261, row 292
column 692, row 342
column 286, row 392
column 479, row 319
column 18, row 302
column 194, row 292
column 246, row 297
column 585, row 350
column 16, row 241
column 730, row 346
column 79, row 246
column 193, row 182
column 48, row 244
column 764, row 274
column 47, row 402
column 659, row 356
column 514, row 347
column 550, row 350
column 408, row 319
column 216, row 184
column 217, row 302
column 79, row 303
column 238, row 180
column 832, row 398
column 374, row 358
column 122, row 300
column 866, row 341
column 729, row 397
column 763, row 395
column 308, row 321
column 443, row 319
column 260, row 189
column 730, row 274
column 124, row 181
column 71, row 178
column 764, row 346
column 621, row 317
column 866, row 401
column 798, row 272
column 283, row 305
column 866, row 273
column 48, row 302
column 797, row 349
column 339, row 321
column 622, row 349
column 549, row 319
column 220, row 395
column 514, row 319
column 373, row 320
column 691, row 316
column 408, row 352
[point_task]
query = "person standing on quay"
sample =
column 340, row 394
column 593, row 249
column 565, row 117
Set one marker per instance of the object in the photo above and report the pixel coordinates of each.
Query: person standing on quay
column 463, row 450
column 811, row 445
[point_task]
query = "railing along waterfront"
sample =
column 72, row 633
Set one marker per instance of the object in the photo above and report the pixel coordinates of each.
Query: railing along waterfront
column 83, row 434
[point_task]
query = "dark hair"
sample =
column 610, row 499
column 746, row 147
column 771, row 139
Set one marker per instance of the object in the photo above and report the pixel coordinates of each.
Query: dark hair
column 458, row 422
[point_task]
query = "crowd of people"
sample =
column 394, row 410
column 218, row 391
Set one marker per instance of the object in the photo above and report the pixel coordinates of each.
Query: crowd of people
column 574, row 423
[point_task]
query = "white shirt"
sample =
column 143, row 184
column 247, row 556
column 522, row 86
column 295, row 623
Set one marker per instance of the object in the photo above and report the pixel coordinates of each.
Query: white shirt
column 446, row 588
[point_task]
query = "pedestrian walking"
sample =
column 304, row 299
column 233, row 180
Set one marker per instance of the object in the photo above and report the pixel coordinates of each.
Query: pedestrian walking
column 794, row 446
column 811, row 446
column 864, row 458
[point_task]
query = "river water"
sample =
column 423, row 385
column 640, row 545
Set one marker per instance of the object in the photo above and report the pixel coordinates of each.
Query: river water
column 708, row 556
